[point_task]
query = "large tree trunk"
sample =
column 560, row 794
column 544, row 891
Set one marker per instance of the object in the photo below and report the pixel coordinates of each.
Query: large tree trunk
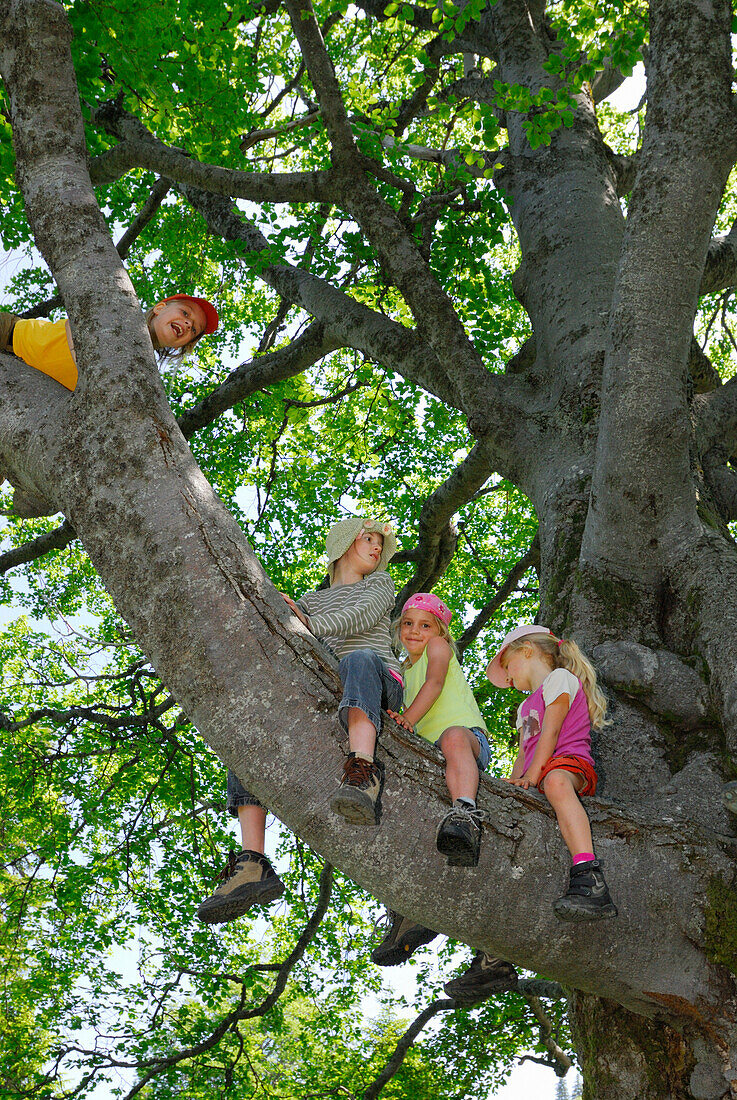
column 263, row 693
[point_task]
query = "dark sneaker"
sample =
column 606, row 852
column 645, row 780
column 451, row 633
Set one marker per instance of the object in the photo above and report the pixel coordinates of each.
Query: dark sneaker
column 401, row 941
column 587, row 896
column 459, row 836
column 247, row 879
column 485, row 976
column 729, row 796
column 357, row 797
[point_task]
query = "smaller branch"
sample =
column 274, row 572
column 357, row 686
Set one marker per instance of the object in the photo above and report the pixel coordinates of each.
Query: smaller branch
column 53, row 540
column 160, row 190
column 255, row 137
column 320, row 67
column 436, row 537
column 314, row 344
column 404, row 1044
column 503, row 592
column 308, row 934
column 139, row 148
column 560, row 1061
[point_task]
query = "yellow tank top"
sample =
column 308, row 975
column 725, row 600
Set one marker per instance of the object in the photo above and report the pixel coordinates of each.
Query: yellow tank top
column 43, row 345
column 455, row 706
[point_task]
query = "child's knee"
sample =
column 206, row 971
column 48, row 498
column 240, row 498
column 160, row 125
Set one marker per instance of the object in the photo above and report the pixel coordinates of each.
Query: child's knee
column 454, row 741
column 558, row 784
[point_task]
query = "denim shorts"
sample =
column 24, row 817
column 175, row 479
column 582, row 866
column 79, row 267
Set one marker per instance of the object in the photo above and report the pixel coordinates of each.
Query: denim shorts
column 238, row 795
column 484, row 755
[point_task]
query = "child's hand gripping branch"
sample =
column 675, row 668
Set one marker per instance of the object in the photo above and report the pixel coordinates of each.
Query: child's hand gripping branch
column 555, row 749
column 175, row 324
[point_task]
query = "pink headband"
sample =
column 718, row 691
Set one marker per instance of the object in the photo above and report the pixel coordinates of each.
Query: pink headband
column 425, row 601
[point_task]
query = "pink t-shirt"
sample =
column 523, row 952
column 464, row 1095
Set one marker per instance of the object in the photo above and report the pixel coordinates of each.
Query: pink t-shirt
column 575, row 734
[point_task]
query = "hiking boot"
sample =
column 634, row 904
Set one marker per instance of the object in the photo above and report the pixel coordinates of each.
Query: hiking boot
column 247, row 879
column 729, row 796
column 357, row 797
column 587, row 896
column 401, row 941
column 485, row 976
column 459, row 836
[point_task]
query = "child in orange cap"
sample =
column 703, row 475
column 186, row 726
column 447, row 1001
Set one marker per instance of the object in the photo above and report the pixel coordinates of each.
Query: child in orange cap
column 175, row 324
column 554, row 755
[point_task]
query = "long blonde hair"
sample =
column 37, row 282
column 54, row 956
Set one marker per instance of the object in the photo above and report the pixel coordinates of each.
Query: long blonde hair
column 444, row 633
column 564, row 653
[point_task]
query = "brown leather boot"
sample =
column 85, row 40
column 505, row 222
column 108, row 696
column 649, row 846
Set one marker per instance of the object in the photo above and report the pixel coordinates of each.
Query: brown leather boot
column 357, row 797
column 248, row 879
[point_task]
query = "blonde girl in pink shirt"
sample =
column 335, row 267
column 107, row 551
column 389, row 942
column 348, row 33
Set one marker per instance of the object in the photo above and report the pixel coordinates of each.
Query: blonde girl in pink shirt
column 554, row 724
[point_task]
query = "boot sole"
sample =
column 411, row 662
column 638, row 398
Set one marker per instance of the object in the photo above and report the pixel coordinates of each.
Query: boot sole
column 567, row 910
column 229, row 910
column 402, row 949
column 356, row 813
column 457, row 852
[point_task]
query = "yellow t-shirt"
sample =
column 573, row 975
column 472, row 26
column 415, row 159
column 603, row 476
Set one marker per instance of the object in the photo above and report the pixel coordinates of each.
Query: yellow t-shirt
column 455, row 706
column 43, row 345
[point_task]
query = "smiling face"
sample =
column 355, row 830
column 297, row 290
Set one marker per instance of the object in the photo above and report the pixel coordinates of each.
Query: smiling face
column 415, row 631
column 177, row 324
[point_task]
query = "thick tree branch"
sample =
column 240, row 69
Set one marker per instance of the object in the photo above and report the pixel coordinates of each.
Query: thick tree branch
column 314, row 344
column 436, row 319
column 139, row 148
column 158, row 193
column 720, row 269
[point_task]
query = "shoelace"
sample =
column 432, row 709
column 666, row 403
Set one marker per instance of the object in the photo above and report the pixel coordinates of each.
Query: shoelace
column 229, row 869
column 385, row 921
column 476, row 815
column 358, row 770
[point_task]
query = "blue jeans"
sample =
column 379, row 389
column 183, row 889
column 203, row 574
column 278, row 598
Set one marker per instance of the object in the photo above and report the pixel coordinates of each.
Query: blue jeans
column 367, row 684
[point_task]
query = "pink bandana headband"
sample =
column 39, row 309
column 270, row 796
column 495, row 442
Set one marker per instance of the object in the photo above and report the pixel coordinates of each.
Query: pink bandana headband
column 426, row 601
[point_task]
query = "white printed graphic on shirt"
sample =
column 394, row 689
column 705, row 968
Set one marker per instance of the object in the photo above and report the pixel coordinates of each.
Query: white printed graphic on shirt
column 530, row 726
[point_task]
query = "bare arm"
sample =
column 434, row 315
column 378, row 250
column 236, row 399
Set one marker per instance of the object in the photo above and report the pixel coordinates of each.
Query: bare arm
column 438, row 659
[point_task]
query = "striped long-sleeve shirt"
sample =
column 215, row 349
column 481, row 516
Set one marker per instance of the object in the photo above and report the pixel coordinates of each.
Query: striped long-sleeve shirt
column 354, row 616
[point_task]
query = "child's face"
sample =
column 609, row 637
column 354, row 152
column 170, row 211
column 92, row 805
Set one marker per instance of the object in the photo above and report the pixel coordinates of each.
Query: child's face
column 517, row 666
column 415, row 631
column 178, row 323
column 367, row 550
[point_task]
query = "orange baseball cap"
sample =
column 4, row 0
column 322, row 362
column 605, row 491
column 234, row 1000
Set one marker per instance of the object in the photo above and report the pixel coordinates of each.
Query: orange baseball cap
column 211, row 314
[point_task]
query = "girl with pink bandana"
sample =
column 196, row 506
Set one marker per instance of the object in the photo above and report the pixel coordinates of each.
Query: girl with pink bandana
column 439, row 706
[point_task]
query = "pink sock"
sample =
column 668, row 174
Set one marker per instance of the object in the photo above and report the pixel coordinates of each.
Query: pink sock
column 583, row 857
